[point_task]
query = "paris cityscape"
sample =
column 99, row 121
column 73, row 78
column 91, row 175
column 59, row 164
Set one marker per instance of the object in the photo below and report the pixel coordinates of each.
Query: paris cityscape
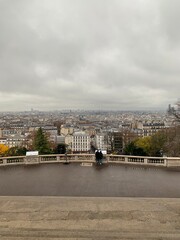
column 89, row 120
column 81, row 131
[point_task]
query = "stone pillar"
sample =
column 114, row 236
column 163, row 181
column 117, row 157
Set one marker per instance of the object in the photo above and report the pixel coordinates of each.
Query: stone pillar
column 107, row 159
column 4, row 161
column 126, row 159
column 145, row 161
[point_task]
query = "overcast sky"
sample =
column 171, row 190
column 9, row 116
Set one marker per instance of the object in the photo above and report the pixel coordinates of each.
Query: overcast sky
column 89, row 54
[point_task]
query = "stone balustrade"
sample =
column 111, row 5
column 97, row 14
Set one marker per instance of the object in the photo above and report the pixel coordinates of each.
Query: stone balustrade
column 90, row 158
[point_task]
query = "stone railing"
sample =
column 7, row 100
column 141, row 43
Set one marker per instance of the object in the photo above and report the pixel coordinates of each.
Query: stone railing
column 90, row 158
column 4, row 161
column 138, row 160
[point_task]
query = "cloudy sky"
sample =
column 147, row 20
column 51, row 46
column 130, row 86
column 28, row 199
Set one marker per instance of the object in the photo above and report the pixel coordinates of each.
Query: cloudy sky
column 89, row 54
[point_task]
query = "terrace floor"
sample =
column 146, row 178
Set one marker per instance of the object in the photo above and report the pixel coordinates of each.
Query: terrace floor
column 70, row 218
column 57, row 179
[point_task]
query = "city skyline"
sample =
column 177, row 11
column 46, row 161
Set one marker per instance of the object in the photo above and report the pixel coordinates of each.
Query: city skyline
column 87, row 54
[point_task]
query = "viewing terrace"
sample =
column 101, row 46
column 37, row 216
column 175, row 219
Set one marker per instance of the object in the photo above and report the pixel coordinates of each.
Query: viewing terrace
column 59, row 197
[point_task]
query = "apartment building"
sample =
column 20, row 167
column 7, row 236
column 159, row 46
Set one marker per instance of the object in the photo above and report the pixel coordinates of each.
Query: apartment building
column 66, row 130
column 80, row 142
column 3, row 140
column 151, row 128
column 101, row 141
column 143, row 129
column 16, row 141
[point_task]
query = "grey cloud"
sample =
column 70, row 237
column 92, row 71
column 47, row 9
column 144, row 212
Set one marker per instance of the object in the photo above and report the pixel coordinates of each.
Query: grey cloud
column 89, row 54
column 170, row 19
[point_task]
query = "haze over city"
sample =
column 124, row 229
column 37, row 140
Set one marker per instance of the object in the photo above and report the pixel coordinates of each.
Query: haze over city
column 87, row 54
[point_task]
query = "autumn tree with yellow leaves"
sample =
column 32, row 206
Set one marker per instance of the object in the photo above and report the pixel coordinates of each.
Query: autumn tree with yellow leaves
column 3, row 149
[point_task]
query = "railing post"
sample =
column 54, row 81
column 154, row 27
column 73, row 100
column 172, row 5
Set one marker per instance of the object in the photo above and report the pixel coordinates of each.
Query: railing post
column 126, row 159
column 145, row 161
column 4, row 161
column 165, row 162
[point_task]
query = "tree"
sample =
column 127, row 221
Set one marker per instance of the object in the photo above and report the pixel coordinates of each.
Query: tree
column 3, row 149
column 132, row 149
column 158, row 141
column 58, row 124
column 129, row 148
column 41, row 143
column 144, row 143
column 16, row 151
column 148, row 146
column 60, row 149
column 172, row 144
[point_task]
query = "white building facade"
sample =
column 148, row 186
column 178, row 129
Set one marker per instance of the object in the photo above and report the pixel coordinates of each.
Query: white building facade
column 101, row 141
column 80, row 142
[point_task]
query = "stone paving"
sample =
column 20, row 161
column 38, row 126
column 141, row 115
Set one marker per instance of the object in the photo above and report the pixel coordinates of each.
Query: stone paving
column 89, row 181
column 70, row 218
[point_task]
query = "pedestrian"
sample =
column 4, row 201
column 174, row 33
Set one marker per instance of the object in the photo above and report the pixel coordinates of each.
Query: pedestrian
column 100, row 157
column 97, row 155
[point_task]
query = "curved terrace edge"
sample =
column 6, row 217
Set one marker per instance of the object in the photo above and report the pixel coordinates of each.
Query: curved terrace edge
column 90, row 158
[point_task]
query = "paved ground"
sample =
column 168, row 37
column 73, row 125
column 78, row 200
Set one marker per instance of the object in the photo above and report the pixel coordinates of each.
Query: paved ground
column 42, row 218
column 89, row 181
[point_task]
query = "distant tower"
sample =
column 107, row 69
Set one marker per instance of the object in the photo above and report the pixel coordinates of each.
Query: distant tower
column 178, row 104
column 175, row 111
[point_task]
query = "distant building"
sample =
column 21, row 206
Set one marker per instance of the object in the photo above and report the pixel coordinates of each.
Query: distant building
column 8, row 132
column 80, row 142
column 3, row 140
column 66, row 130
column 16, row 141
column 150, row 129
column 68, row 142
column 52, row 132
column 60, row 139
column 147, row 128
column 101, row 141
column 115, row 142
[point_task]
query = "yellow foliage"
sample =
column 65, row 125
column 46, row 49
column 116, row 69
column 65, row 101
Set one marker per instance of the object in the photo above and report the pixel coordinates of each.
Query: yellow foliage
column 3, row 149
column 144, row 143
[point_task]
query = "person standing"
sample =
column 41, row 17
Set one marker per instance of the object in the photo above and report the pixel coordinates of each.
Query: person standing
column 100, row 157
column 97, row 155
